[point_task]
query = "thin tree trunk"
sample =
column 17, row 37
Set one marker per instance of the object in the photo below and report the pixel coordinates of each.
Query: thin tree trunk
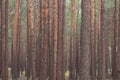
column 55, row 25
column 92, row 41
column 64, row 39
column 19, row 39
column 60, row 44
column 14, row 41
column 0, row 38
column 51, row 39
column 114, row 53
column 44, row 15
column 6, row 39
column 28, row 70
column 102, row 53
column 32, row 37
column 72, row 41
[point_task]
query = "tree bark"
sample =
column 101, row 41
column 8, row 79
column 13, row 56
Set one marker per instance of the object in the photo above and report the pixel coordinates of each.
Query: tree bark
column 92, row 41
column 85, row 41
column 0, row 38
column 72, row 41
column 102, row 53
column 32, row 37
column 14, row 41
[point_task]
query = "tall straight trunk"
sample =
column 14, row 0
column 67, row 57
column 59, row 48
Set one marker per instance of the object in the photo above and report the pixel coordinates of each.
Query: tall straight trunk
column 78, row 42
column 29, row 60
column 60, row 44
column 92, row 41
column 36, row 24
column 114, row 53
column 3, row 35
column 14, row 41
column 32, row 37
column 51, row 39
column 112, row 38
column 103, row 34
column 99, row 37
column 118, row 52
column 72, row 41
column 55, row 25
column 102, row 53
column 40, row 38
column 85, row 41
column 19, row 39
column 60, row 41
column 6, row 40
column 44, row 53
column 64, row 39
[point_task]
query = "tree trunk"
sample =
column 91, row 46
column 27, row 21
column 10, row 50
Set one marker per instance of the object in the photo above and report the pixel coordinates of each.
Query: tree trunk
column 72, row 41
column 60, row 46
column 14, row 41
column 43, row 60
column 114, row 53
column 32, row 37
column 0, row 38
column 102, row 52
column 55, row 25
column 92, row 41
column 85, row 41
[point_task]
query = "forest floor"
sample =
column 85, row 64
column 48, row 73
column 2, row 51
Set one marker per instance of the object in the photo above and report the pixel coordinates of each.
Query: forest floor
column 22, row 77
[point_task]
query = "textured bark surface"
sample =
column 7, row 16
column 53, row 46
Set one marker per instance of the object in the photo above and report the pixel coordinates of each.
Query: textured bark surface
column 51, row 38
column 114, row 53
column 85, row 41
column 99, row 38
column 60, row 44
column 92, row 41
column 72, row 41
column 6, row 40
column 14, row 41
column 102, row 52
column 64, row 39
column 19, row 39
column 32, row 38
column 4, row 36
column 43, row 60
column 28, row 70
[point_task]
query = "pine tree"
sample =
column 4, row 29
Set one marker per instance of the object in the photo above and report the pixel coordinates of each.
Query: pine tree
column 14, row 41
column 0, row 38
column 102, row 52
column 92, row 41
column 85, row 41
column 72, row 41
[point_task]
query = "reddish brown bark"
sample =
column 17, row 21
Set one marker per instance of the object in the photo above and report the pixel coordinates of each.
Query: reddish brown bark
column 44, row 33
column 60, row 47
column 4, row 30
column 92, row 41
column 14, row 41
column 32, row 38
column 51, row 38
column 28, row 70
column 55, row 25
column 85, row 41
column 102, row 52
column 72, row 41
